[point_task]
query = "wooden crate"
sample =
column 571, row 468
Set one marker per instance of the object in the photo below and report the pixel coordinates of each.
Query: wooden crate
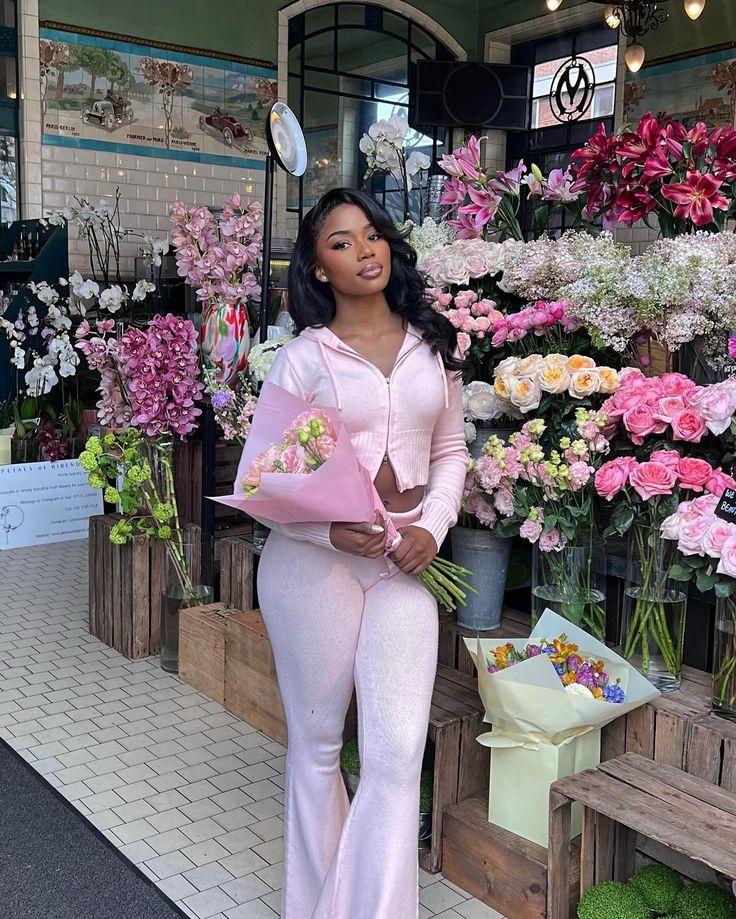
column 238, row 572
column 460, row 763
column 202, row 648
column 678, row 729
column 251, row 688
column 631, row 796
column 452, row 651
column 502, row 870
column 125, row 589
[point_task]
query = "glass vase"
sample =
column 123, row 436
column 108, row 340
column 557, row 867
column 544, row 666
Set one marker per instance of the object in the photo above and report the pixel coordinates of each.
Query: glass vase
column 225, row 339
column 724, row 658
column 572, row 583
column 25, row 450
column 186, row 582
column 653, row 623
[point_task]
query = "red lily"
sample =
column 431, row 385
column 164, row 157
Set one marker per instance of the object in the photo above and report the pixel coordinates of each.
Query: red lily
column 633, row 204
column 696, row 197
column 597, row 153
column 642, row 144
column 656, row 167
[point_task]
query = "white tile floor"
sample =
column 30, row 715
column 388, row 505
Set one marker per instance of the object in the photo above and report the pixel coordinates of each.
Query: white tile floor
column 189, row 793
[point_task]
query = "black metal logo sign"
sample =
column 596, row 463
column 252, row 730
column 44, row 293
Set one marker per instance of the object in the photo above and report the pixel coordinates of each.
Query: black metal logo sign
column 572, row 90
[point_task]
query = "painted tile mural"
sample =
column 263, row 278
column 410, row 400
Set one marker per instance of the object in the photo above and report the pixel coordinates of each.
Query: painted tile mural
column 698, row 89
column 122, row 97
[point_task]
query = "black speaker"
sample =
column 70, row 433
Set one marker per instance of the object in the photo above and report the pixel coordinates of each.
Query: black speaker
column 465, row 94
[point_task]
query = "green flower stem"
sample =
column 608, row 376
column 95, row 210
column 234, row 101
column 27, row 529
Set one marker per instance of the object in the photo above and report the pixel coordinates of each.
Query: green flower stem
column 443, row 580
column 724, row 679
column 649, row 621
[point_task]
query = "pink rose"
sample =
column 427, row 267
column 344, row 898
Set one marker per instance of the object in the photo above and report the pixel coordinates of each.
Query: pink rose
column 640, row 422
column 727, row 564
column 293, row 459
column 465, row 298
column 716, row 537
column 691, row 535
column 463, row 343
column 672, row 525
column 628, row 396
column 676, row 384
column 652, row 479
column 693, row 473
column 704, row 506
column 716, row 404
column 666, row 457
column 668, row 407
column 719, row 482
column 613, row 476
column 688, row 425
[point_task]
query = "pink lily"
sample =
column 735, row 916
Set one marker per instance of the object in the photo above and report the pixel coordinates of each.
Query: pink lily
column 696, row 197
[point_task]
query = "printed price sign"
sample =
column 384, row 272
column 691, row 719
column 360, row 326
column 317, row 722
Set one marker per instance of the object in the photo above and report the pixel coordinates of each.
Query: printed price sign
column 45, row 502
column 726, row 508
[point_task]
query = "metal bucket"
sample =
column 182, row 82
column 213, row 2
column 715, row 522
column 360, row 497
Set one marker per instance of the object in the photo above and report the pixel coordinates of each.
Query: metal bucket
column 487, row 556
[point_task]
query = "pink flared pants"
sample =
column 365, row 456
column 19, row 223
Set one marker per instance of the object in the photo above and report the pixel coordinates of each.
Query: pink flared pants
column 335, row 623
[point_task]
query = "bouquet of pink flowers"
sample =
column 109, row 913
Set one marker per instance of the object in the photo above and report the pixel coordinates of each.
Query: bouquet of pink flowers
column 299, row 466
column 538, row 320
column 218, row 257
column 671, row 404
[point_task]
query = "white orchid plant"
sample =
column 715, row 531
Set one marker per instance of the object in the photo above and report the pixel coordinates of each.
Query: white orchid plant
column 385, row 150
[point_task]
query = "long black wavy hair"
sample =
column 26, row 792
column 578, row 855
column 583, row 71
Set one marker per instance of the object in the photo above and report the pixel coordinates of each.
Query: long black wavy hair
column 312, row 303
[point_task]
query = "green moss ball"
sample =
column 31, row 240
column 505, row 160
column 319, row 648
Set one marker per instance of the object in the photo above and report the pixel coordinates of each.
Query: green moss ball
column 612, row 900
column 658, row 887
column 705, row 901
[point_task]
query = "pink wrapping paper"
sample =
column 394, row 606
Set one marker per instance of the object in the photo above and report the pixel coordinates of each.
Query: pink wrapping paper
column 341, row 490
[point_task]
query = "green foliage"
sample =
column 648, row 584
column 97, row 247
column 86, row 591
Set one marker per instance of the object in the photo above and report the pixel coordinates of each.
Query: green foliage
column 705, row 901
column 426, row 788
column 621, row 521
column 349, row 758
column 658, row 886
column 612, row 900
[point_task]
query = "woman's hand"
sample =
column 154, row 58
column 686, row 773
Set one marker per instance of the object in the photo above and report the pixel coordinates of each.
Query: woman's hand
column 415, row 551
column 360, row 538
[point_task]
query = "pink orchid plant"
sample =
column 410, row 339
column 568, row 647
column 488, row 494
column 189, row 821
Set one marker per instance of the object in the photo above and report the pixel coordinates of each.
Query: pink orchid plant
column 683, row 177
column 219, row 256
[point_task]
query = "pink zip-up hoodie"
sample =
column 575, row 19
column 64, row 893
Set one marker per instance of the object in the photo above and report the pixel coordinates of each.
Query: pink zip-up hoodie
column 414, row 418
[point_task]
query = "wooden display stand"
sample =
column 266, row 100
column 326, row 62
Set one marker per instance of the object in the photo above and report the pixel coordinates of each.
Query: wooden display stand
column 627, row 796
column 125, row 589
column 202, row 648
column 502, row 870
column 460, row 763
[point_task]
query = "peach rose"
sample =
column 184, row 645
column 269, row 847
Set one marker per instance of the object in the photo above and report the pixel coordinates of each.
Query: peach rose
column 580, row 362
column 554, row 378
column 525, row 393
column 608, row 379
column 584, row 383
column 530, row 365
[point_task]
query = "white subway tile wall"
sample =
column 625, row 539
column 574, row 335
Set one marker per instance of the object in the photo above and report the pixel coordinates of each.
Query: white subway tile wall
column 148, row 187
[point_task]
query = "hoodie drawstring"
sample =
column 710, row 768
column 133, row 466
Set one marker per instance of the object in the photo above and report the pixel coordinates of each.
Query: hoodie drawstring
column 331, row 372
column 443, row 372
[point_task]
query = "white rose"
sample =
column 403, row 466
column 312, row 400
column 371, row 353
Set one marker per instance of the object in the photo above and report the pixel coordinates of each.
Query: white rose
column 577, row 689
column 485, row 406
column 530, row 366
column 507, row 367
column 454, row 271
column 525, row 393
column 608, row 380
column 470, row 432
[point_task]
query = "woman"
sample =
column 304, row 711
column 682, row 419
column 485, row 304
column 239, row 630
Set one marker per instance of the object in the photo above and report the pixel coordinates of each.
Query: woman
column 371, row 345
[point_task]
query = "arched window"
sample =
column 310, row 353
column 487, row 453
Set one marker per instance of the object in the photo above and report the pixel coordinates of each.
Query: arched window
column 350, row 65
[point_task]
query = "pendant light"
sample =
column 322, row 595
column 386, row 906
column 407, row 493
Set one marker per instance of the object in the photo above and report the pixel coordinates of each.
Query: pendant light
column 694, row 8
column 613, row 20
column 635, row 55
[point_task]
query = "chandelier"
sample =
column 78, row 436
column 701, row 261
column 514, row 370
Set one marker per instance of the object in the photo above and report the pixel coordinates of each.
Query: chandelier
column 635, row 18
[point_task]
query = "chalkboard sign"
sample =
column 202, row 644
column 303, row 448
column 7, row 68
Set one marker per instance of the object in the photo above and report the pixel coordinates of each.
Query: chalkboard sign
column 726, row 508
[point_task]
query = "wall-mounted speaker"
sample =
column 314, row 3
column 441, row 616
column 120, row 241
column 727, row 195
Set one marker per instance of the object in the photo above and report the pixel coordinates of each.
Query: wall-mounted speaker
column 466, row 94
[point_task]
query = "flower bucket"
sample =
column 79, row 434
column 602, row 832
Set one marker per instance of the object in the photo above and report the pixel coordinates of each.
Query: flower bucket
column 487, row 556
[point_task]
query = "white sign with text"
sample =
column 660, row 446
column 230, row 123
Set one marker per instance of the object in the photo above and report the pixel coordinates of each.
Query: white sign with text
column 45, row 502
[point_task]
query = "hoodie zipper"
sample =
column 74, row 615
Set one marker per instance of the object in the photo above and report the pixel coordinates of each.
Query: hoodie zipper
column 386, row 459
